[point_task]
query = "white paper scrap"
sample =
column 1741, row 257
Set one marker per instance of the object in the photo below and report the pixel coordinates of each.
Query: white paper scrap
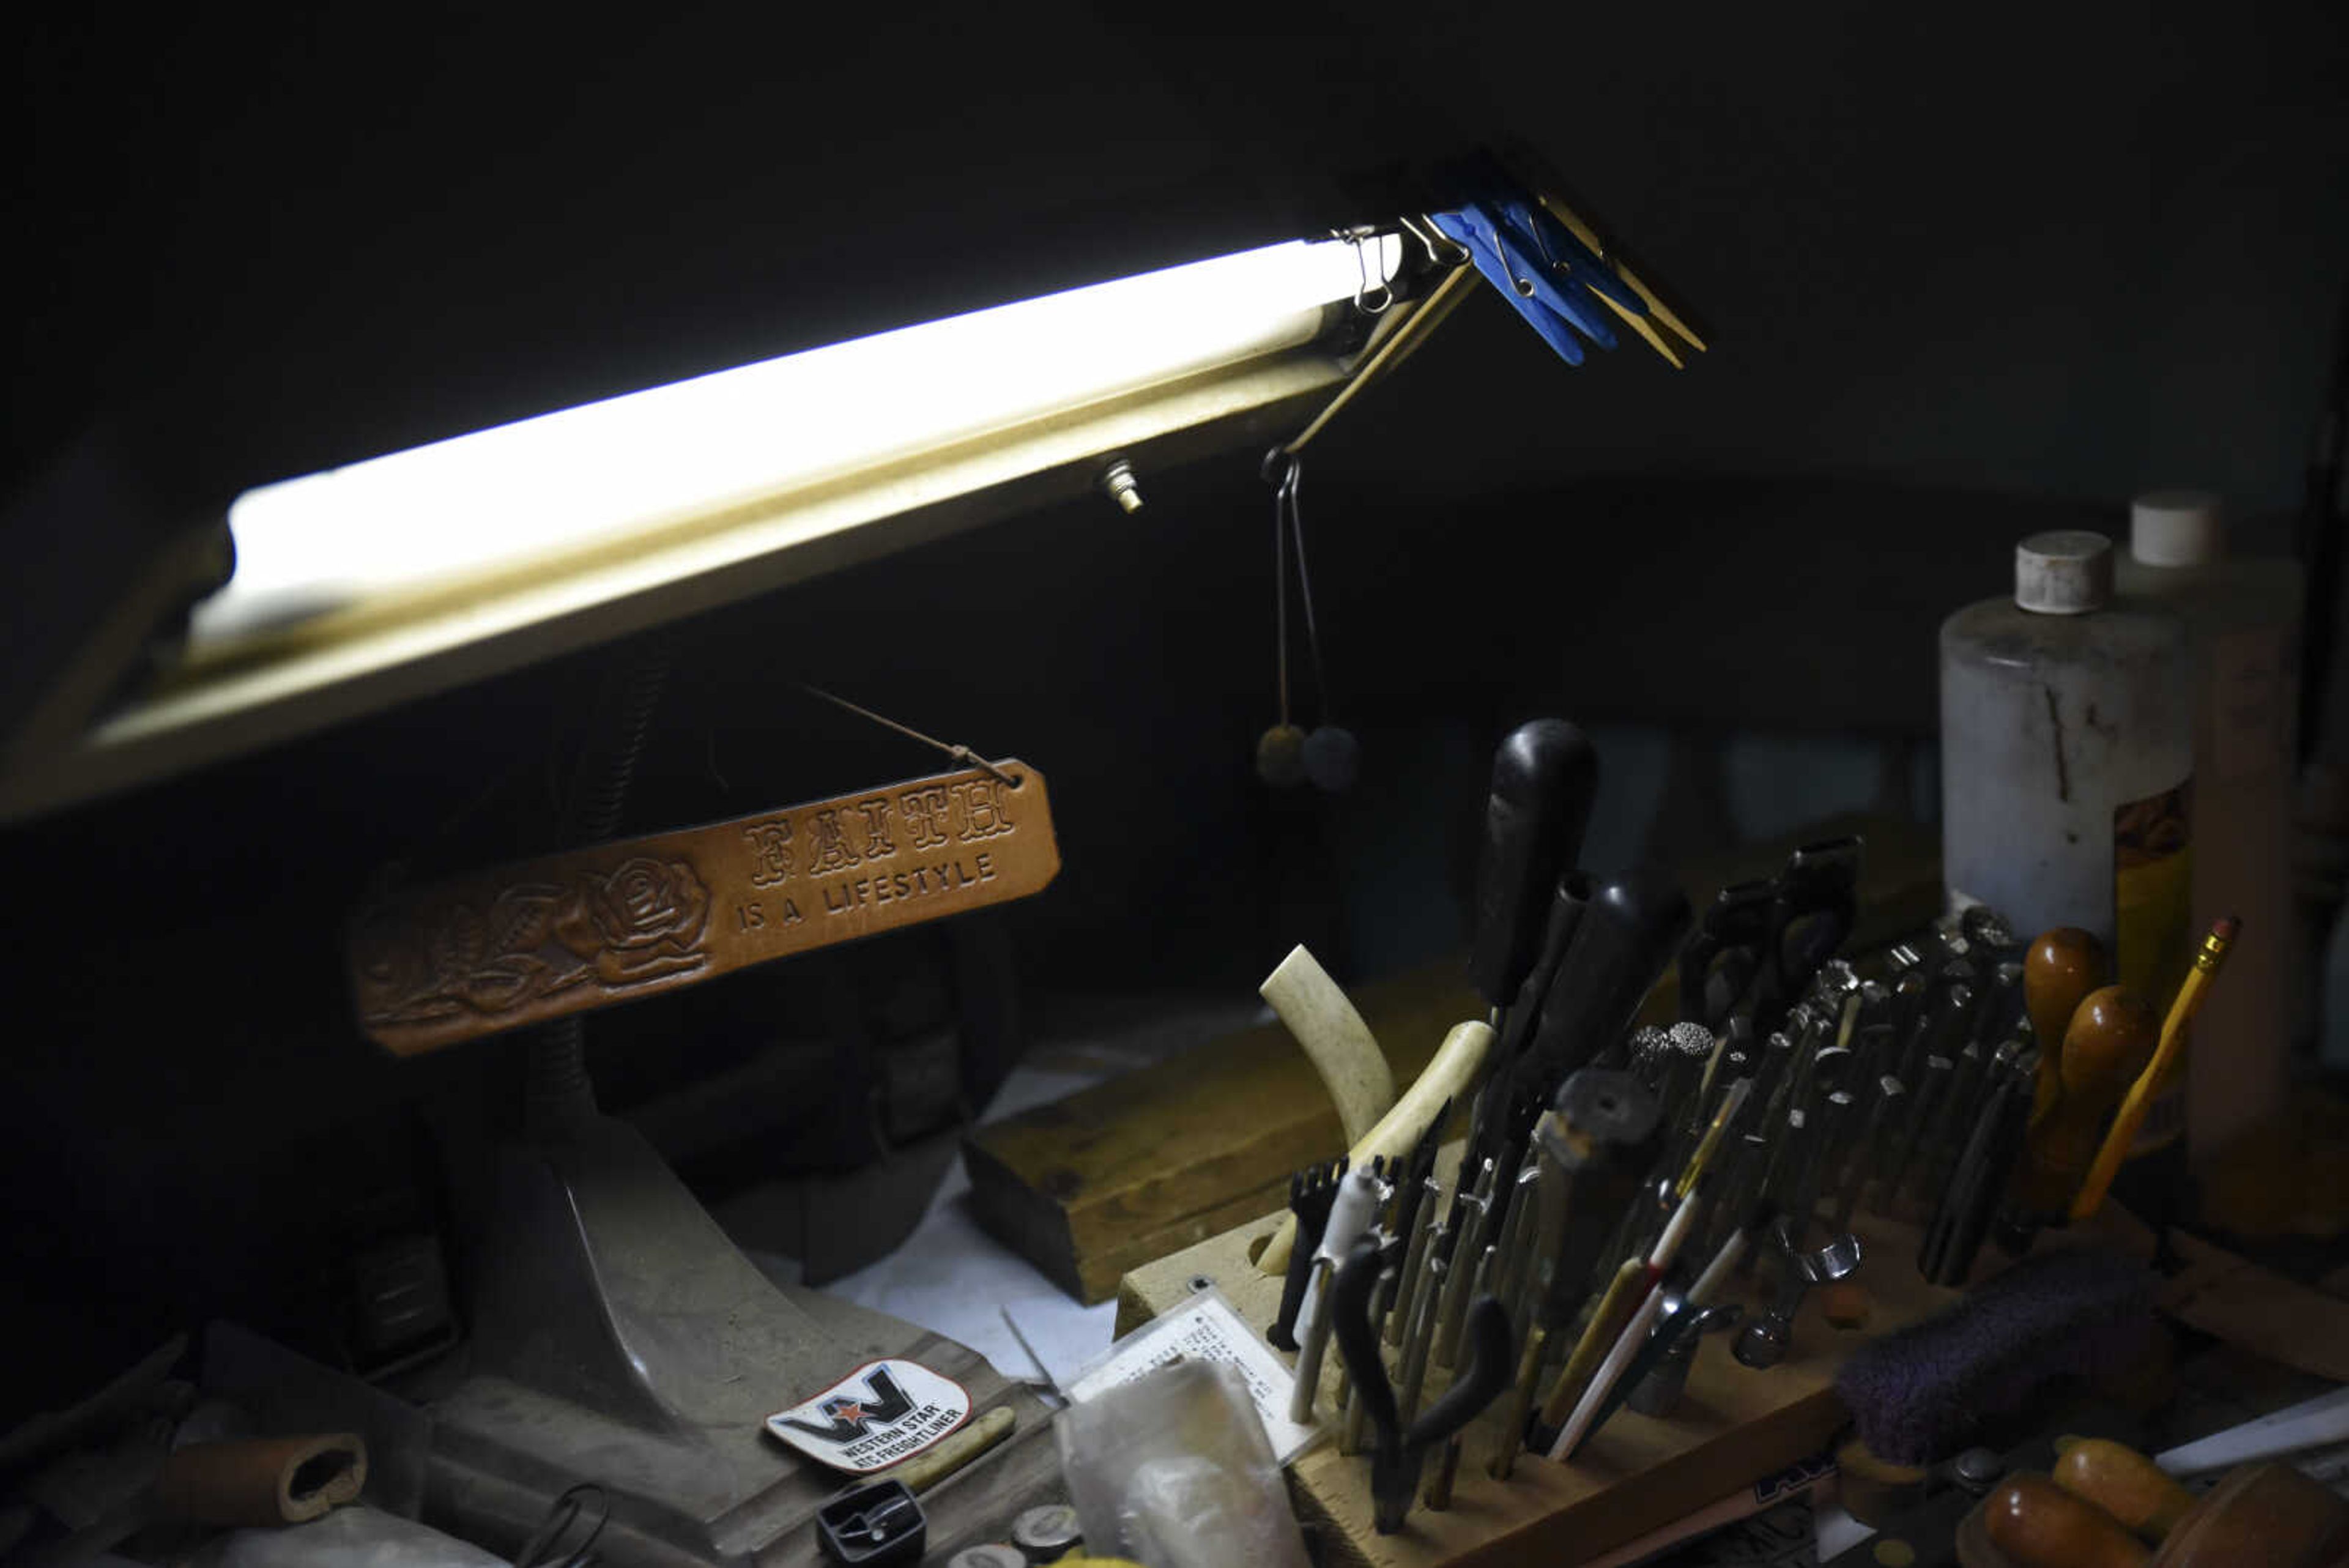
column 1206, row 1328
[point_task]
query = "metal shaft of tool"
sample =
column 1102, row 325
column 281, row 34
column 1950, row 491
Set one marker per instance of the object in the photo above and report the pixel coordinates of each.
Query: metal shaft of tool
column 1476, row 1217
column 1312, row 1347
column 1923, row 1040
column 1964, row 1181
column 1424, row 1223
column 1773, row 1071
column 1782, row 1170
column 1883, row 1113
column 1420, row 1336
column 1932, row 1083
column 1979, row 1190
column 1951, row 1122
column 1516, row 1230
column 1691, row 1125
column 1765, row 1340
column 1734, row 1097
column 1875, row 1012
column 1439, row 1489
column 1742, row 1163
column 1795, row 1088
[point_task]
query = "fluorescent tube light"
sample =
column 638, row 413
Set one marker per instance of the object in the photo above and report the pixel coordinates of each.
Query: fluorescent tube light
column 581, row 480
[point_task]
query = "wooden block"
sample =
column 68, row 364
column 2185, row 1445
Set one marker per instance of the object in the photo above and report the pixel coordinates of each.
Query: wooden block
column 1094, row 1186
column 1734, row 1424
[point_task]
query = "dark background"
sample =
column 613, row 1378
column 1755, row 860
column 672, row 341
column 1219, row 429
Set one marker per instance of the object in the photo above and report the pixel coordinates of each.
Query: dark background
column 1968, row 273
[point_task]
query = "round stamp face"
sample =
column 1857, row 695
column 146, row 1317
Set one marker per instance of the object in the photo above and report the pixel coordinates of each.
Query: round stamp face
column 883, row 1413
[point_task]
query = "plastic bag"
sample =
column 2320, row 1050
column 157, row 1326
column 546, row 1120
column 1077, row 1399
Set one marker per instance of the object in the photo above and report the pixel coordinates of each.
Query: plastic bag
column 1174, row 1470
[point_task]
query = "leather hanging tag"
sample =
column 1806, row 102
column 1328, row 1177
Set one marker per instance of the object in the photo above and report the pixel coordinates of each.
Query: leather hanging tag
column 564, row 933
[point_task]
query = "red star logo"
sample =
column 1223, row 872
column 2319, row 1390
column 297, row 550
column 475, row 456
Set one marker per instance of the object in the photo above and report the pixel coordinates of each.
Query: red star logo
column 848, row 1410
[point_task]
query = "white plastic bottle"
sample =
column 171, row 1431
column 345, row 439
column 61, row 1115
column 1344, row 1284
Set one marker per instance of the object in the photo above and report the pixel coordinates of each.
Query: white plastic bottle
column 2243, row 614
column 2067, row 759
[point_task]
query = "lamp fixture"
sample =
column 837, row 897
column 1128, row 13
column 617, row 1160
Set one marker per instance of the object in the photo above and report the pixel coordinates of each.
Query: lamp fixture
column 411, row 573
column 577, row 480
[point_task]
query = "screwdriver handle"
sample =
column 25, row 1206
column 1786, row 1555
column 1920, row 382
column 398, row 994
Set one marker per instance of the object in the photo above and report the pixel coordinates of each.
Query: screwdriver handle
column 1566, row 905
column 1544, row 778
column 1622, row 943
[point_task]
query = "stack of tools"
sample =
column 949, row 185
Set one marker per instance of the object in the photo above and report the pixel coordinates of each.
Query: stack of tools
column 1616, row 1181
column 1624, row 1190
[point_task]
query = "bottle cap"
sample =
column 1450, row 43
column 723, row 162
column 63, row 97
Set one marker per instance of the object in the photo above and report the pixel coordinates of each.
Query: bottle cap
column 2067, row 572
column 2176, row 528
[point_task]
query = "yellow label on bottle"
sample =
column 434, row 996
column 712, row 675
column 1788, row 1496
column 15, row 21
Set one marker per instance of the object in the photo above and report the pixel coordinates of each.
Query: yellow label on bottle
column 2153, row 923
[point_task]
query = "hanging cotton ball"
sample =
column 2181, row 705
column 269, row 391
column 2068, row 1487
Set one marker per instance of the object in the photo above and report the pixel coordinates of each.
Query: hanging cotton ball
column 1280, row 756
column 1332, row 758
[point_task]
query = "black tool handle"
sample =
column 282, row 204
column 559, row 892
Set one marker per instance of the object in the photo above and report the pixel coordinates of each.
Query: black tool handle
column 1817, row 904
column 1566, row 905
column 1356, row 1282
column 1718, row 962
column 1544, row 777
column 1956, row 1235
column 1623, row 942
column 1614, row 1125
column 1493, row 1360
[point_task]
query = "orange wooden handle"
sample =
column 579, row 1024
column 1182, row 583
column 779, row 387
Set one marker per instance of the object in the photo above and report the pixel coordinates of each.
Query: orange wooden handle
column 2110, row 1039
column 2125, row 1484
column 2058, row 972
column 2041, row 1525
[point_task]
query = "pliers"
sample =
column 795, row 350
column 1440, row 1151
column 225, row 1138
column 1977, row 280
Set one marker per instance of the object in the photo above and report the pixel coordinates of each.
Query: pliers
column 1400, row 1453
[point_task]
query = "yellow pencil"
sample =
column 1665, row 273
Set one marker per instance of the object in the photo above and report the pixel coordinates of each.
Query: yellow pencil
column 2156, row 1072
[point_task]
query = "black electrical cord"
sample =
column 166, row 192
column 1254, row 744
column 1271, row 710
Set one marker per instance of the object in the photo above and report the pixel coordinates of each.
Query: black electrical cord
column 544, row 1548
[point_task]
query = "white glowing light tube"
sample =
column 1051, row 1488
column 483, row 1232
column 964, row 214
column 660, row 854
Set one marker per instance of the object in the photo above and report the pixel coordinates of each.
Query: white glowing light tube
column 587, row 476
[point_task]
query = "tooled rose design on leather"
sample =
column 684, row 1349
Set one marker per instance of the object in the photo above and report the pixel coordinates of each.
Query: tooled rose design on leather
column 646, row 920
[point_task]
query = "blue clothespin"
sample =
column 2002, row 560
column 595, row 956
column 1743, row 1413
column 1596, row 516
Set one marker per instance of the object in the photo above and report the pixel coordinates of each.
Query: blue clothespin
column 1517, row 278
column 1567, row 256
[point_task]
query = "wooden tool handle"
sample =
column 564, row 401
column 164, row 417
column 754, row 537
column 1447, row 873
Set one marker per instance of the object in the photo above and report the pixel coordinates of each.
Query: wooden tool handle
column 2111, row 1037
column 2060, row 970
column 1614, row 1308
column 2269, row 1514
column 2040, row 1526
column 2125, row 1484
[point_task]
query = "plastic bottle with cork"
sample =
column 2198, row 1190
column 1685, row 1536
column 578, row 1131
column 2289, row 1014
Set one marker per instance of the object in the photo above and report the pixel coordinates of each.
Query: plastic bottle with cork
column 2068, row 760
column 2242, row 614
